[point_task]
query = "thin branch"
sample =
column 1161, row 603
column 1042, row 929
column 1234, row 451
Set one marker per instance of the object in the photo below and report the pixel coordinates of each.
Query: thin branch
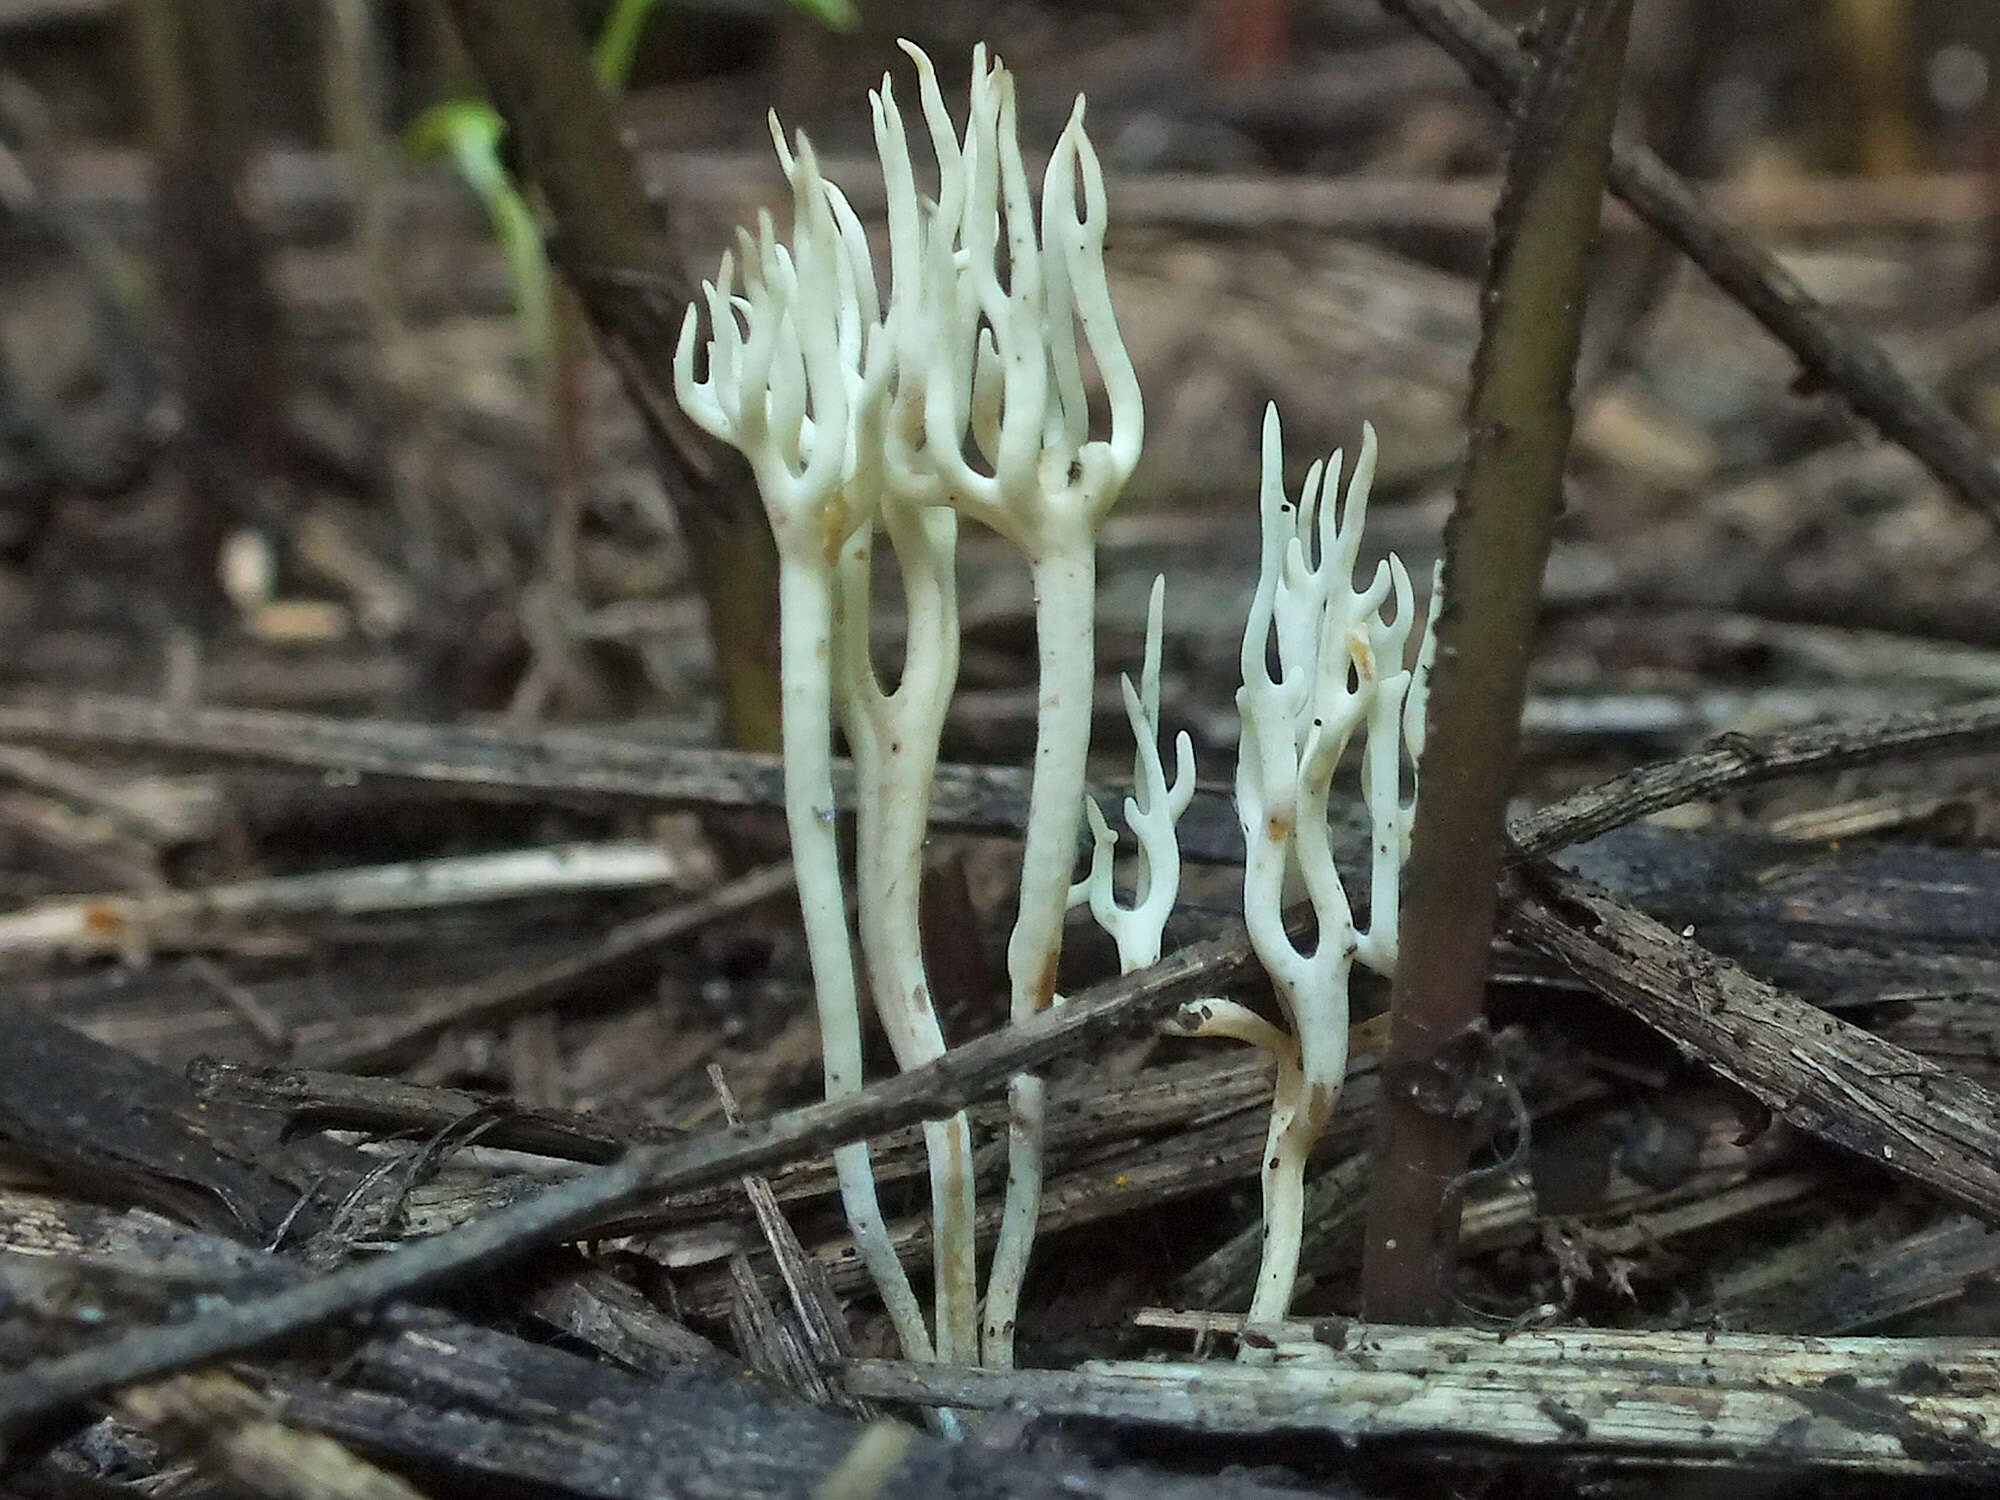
column 1738, row 760
column 598, row 767
column 112, row 922
column 1832, row 351
column 518, row 990
column 580, row 765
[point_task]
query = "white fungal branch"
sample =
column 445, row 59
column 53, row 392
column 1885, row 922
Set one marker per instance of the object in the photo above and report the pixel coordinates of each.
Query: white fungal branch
column 797, row 380
column 894, row 738
column 989, row 336
column 859, row 410
column 960, row 394
column 999, row 355
column 1339, row 672
column 1151, row 813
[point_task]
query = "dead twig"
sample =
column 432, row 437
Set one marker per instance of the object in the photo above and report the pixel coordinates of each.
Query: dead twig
column 1863, row 1406
column 112, row 923
column 1833, row 353
column 232, row 1431
column 386, row 1106
column 517, row 992
column 492, row 1414
column 597, row 767
column 574, row 765
column 818, row 1320
column 1737, row 760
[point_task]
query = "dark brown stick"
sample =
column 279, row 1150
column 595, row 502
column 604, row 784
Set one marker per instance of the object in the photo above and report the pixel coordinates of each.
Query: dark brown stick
column 1496, row 547
column 483, row 1413
column 1738, row 760
column 610, row 247
column 594, row 766
column 590, row 766
column 1833, row 353
column 963, row 1076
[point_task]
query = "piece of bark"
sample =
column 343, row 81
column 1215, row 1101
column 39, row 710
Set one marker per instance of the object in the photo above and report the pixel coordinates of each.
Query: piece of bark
column 596, row 768
column 816, row 1332
column 341, row 1101
column 102, row 1122
column 33, row 1395
column 237, row 1435
column 1811, row 1068
column 596, row 1308
column 489, row 1410
column 1839, row 1283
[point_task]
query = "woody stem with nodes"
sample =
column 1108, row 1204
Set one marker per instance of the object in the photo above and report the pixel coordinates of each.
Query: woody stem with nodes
column 1005, row 376
column 1339, row 672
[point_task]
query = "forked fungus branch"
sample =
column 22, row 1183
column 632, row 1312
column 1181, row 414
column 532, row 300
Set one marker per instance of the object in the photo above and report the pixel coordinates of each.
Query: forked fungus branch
column 961, row 394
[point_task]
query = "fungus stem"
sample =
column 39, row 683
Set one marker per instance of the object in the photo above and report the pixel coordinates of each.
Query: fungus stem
column 1065, row 618
column 805, row 601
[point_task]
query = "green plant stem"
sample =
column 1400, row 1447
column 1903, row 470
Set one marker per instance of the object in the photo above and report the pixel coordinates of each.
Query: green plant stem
column 520, row 236
column 1496, row 545
column 618, row 42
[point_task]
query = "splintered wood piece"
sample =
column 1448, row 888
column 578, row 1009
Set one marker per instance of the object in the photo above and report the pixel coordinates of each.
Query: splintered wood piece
column 490, row 1412
column 1812, row 1069
column 1907, row 1407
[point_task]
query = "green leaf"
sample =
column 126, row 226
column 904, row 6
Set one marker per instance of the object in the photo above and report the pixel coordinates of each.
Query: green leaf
column 835, row 15
column 442, row 129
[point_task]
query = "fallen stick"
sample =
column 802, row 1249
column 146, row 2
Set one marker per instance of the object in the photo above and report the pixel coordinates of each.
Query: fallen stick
column 1832, row 352
column 1904, row 1407
column 598, row 767
column 116, row 923
column 1733, row 761
column 961, row 1077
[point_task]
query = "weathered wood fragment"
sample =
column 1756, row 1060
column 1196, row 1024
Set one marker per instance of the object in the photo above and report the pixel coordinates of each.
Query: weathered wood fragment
column 1905, row 1407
